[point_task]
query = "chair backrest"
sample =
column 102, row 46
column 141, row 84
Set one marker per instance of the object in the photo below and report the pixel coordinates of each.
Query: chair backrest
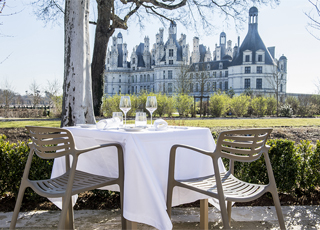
column 243, row 145
column 50, row 142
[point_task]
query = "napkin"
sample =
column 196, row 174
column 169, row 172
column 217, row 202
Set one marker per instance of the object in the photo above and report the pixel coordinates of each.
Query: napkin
column 160, row 124
column 108, row 123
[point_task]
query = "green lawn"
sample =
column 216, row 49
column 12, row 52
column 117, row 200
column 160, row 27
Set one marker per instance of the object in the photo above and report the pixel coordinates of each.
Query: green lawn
column 236, row 123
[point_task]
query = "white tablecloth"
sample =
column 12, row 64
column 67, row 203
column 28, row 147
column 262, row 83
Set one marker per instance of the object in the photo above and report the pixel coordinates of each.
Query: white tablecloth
column 146, row 161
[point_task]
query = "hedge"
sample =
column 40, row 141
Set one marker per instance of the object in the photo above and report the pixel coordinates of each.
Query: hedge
column 295, row 167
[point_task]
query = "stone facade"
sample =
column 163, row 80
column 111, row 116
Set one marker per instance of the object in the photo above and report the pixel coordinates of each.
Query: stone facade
column 160, row 68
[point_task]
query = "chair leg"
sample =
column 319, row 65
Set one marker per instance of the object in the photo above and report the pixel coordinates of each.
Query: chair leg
column 169, row 201
column 204, row 214
column 123, row 220
column 17, row 207
column 224, row 213
column 66, row 216
column 277, row 205
column 229, row 211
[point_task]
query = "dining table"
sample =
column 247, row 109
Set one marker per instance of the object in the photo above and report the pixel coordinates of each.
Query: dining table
column 146, row 163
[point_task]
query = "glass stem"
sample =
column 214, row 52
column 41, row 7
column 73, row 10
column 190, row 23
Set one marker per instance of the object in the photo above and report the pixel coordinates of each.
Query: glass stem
column 151, row 118
column 125, row 119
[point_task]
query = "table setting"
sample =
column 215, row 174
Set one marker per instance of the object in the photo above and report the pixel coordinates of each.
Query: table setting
column 146, row 161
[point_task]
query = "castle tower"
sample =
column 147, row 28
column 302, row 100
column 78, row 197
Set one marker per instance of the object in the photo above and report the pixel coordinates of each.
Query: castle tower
column 196, row 52
column 223, row 41
column 114, row 54
column 146, row 53
column 173, row 30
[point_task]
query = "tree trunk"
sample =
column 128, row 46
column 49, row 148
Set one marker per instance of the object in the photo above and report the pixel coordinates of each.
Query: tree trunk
column 103, row 33
column 77, row 90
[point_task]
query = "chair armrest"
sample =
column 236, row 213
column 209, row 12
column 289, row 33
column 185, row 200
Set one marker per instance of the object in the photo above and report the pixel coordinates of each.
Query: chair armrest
column 174, row 147
column 80, row 151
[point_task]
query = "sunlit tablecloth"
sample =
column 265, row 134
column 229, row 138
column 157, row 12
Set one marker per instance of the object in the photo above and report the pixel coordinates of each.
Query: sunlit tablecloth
column 146, row 161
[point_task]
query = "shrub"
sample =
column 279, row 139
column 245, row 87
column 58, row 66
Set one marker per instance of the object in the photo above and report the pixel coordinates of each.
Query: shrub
column 13, row 158
column 183, row 104
column 271, row 106
column 286, row 111
column 219, row 104
column 239, row 105
column 308, row 164
column 259, row 105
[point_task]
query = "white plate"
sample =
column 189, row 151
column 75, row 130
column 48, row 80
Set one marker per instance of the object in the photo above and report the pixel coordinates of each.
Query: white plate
column 87, row 125
column 133, row 128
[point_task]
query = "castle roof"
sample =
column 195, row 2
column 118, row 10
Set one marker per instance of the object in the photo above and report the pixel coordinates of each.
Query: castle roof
column 252, row 42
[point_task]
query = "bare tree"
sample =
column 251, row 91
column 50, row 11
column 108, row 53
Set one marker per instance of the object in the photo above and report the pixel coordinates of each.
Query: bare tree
column 7, row 94
column 201, row 80
column 277, row 82
column 77, row 105
column 314, row 17
column 53, row 92
column 35, row 93
column 183, row 80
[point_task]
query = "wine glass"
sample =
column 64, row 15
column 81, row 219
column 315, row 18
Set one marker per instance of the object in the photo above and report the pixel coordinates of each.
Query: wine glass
column 151, row 105
column 125, row 106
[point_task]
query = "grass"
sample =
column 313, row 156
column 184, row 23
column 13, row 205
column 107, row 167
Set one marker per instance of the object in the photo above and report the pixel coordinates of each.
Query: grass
column 235, row 123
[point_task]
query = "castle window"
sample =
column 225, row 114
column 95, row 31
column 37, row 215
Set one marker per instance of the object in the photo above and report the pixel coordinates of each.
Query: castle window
column 144, row 78
column 164, row 74
column 133, row 61
column 226, row 86
column 259, row 83
column 132, row 80
column 197, row 87
column 164, row 87
column 259, row 58
column 169, row 74
column 220, row 73
column 226, row 74
column 220, row 85
column 208, row 66
column 247, row 83
column 281, row 88
column 148, row 78
column 170, row 62
column 133, row 68
column 208, row 86
column 247, row 58
column 108, row 61
column 197, row 68
column 281, row 67
column 119, row 80
column 169, row 87
column 220, row 65
column 140, row 78
column 214, row 86
column 247, row 69
column 170, row 52
column 259, row 69
column 214, row 74
column 191, row 87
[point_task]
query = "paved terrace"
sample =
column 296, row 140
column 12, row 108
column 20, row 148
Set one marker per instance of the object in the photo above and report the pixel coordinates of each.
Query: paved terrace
column 296, row 217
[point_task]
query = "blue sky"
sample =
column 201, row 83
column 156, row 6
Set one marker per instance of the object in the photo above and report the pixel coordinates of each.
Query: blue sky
column 37, row 51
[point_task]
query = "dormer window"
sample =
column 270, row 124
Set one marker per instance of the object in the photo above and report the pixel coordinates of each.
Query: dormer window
column 133, row 61
column 197, row 68
column 247, row 57
column 208, row 67
column 220, row 65
column 260, row 56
